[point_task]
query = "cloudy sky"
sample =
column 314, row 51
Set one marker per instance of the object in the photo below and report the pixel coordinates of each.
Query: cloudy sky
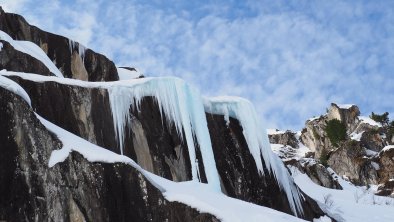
column 290, row 58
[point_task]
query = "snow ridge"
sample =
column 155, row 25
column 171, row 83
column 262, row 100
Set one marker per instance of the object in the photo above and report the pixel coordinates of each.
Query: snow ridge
column 33, row 50
column 257, row 140
column 14, row 87
column 182, row 106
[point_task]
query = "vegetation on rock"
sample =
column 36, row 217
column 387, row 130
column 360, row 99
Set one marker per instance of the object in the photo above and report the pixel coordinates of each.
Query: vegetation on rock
column 335, row 131
column 383, row 118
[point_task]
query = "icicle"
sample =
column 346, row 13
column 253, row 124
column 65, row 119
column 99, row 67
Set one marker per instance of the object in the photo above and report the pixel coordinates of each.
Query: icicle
column 81, row 49
column 257, row 141
column 183, row 107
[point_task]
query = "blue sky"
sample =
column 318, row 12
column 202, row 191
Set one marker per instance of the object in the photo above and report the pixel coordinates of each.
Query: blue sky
column 290, row 58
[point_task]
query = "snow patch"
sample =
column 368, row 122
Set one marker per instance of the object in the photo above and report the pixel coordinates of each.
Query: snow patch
column 387, row 148
column 313, row 118
column 369, row 121
column 33, row 50
column 345, row 106
column 356, row 136
column 375, row 165
column 125, row 74
column 274, row 131
column 14, row 87
column 257, row 140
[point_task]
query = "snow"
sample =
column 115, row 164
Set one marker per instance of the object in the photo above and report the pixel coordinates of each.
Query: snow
column 345, row 106
column 375, row 165
column 350, row 204
column 313, row 118
column 226, row 209
column 356, row 136
column 257, row 140
column 1, row 46
column 196, row 195
column 370, row 153
column 386, row 148
column 32, row 50
column 12, row 86
column 71, row 142
column 274, row 131
column 369, row 121
column 125, row 74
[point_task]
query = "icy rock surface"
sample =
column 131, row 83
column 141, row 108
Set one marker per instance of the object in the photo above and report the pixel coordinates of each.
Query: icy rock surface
column 182, row 106
column 257, row 141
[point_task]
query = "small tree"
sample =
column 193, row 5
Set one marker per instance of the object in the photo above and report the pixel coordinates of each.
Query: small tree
column 335, row 131
column 324, row 158
column 390, row 131
column 383, row 118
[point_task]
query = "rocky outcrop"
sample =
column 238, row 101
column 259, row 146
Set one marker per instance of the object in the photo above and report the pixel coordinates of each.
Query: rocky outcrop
column 285, row 138
column 74, row 190
column 238, row 172
column 386, row 189
column 14, row 60
column 316, row 172
column 313, row 135
column 350, row 160
column 386, row 163
column 373, row 140
column 73, row 59
column 347, row 114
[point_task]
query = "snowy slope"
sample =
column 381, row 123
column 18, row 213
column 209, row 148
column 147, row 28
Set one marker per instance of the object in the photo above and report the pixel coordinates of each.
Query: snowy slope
column 350, row 204
column 32, row 50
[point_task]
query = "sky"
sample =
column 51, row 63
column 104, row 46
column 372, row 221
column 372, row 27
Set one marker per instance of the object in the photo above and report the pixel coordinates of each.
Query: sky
column 290, row 58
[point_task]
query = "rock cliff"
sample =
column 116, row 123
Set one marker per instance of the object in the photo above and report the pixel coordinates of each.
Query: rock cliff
column 140, row 119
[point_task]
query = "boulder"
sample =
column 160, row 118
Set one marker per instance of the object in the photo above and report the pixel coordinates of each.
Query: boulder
column 284, row 138
column 316, row 172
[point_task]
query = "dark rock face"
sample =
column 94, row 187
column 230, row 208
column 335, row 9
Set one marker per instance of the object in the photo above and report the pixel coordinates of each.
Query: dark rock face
column 373, row 140
column 65, row 54
column 86, row 112
column 386, row 189
column 286, row 138
column 13, row 60
column 74, row 190
column 386, row 162
column 237, row 170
